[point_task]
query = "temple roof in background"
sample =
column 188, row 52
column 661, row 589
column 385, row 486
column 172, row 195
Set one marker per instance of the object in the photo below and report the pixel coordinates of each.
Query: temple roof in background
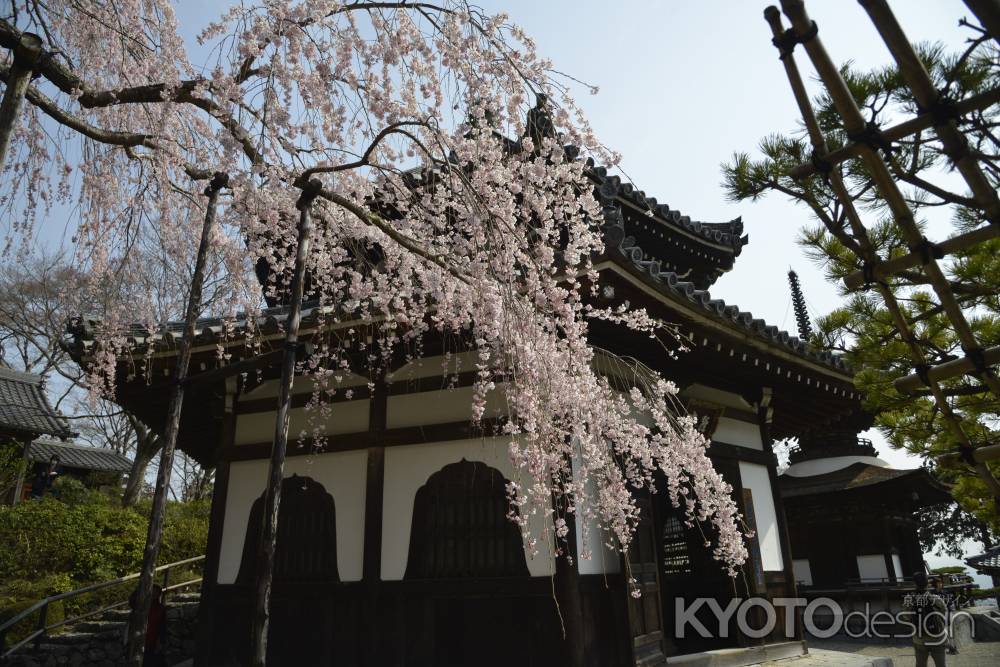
column 987, row 562
column 867, row 476
column 25, row 409
column 72, row 455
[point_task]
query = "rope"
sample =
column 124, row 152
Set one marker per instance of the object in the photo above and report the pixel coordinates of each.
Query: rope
column 967, row 454
column 923, row 373
column 872, row 137
column 786, row 42
column 928, row 251
column 820, row 164
column 978, row 359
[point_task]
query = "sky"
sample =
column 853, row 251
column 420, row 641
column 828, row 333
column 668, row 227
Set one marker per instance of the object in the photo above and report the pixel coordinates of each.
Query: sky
column 683, row 85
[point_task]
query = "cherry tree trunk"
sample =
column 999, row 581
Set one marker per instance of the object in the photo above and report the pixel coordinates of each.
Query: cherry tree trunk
column 145, row 450
column 272, row 500
column 26, row 55
column 140, row 613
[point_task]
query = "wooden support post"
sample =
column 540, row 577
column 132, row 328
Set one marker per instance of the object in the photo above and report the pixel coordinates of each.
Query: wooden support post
column 216, row 526
column 27, row 53
column 140, row 613
column 567, row 589
column 272, row 501
column 374, row 489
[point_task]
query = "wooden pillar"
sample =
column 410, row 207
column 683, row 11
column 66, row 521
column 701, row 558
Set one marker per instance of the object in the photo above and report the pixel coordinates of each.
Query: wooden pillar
column 887, row 551
column 567, row 588
column 207, row 614
column 374, row 490
column 764, row 414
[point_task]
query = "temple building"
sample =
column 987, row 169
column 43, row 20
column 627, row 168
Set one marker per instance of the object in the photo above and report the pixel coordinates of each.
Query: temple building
column 852, row 519
column 393, row 543
column 26, row 414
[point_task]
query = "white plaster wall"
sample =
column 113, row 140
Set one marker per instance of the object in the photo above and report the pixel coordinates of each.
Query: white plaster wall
column 342, row 474
column 740, row 433
column 822, row 466
column 347, row 417
column 592, row 541
column 431, row 366
column 439, row 407
column 872, row 567
column 802, row 571
column 897, row 566
column 301, row 385
column 755, row 477
column 718, row 396
column 407, row 469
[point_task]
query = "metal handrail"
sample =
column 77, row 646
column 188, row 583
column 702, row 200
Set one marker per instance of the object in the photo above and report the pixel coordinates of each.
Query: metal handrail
column 42, row 606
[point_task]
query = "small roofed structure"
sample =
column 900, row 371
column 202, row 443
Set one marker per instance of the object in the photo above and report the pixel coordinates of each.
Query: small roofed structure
column 987, row 563
column 86, row 463
column 26, row 414
column 851, row 518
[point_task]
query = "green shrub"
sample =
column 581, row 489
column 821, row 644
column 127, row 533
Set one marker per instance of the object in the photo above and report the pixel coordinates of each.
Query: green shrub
column 57, row 544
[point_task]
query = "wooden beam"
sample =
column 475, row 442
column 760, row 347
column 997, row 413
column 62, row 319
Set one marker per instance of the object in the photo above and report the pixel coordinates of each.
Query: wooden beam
column 344, row 442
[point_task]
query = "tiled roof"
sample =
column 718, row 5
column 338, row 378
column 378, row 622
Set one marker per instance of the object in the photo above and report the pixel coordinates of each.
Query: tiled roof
column 670, row 284
column 987, row 562
column 271, row 320
column 24, row 407
column 79, row 456
column 855, row 476
column 609, row 187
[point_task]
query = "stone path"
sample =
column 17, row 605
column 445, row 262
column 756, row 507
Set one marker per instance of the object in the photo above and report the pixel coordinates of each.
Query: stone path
column 980, row 654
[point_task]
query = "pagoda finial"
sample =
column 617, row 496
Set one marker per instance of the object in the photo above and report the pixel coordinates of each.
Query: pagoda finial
column 799, row 304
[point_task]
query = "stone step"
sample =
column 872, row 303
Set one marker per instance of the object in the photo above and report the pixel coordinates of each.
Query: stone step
column 70, row 638
column 99, row 626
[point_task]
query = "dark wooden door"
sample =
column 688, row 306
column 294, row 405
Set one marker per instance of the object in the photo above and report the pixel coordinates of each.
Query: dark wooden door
column 645, row 611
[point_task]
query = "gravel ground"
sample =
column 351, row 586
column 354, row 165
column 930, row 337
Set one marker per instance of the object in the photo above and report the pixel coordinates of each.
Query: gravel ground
column 980, row 654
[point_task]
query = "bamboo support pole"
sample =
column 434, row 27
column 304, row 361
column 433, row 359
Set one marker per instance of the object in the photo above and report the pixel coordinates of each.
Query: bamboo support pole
column 949, row 369
column 988, row 13
column 929, row 98
column 979, row 455
column 904, row 129
column 773, row 17
column 854, row 124
column 272, row 499
column 890, row 267
column 140, row 613
column 27, row 53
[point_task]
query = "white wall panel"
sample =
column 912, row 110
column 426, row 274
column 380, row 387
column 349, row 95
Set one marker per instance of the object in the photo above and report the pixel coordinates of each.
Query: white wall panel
column 735, row 432
column 407, row 468
column 349, row 417
column 342, row 474
column 755, row 477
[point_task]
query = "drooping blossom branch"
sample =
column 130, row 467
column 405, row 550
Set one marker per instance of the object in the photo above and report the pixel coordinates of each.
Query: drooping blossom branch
column 452, row 205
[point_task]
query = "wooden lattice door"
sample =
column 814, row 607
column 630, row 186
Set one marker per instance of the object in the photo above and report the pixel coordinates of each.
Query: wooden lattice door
column 645, row 611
